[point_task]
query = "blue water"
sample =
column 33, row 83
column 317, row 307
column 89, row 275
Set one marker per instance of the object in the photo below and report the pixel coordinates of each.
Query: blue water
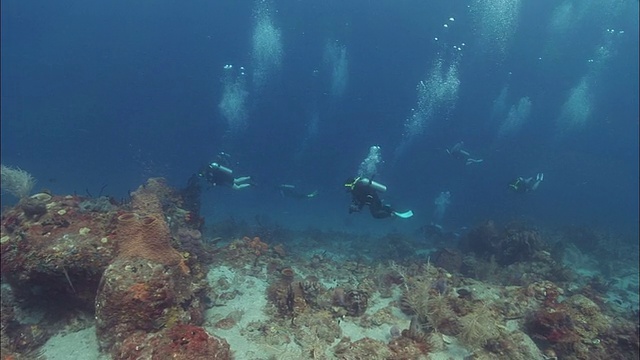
column 107, row 94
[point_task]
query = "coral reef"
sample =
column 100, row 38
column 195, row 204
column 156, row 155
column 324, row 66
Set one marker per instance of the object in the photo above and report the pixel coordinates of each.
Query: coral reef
column 288, row 297
column 575, row 327
column 354, row 302
column 61, row 252
column 365, row 348
column 147, row 238
column 157, row 284
column 514, row 243
column 398, row 246
column 425, row 297
column 315, row 332
column 478, row 327
column 16, row 181
column 69, row 257
column 148, row 286
column 448, row 259
column 181, row 342
column 103, row 204
column 137, row 295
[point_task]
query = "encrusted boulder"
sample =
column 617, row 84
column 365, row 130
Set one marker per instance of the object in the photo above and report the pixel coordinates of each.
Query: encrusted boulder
column 59, row 255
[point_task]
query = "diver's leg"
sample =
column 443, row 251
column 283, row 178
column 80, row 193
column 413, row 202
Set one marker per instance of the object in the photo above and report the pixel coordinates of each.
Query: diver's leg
column 473, row 161
column 241, row 179
column 380, row 211
column 537, row 182
column 240, row 186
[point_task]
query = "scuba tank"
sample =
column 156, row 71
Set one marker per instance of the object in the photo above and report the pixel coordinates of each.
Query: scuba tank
column 224, row 169
column 374, row 185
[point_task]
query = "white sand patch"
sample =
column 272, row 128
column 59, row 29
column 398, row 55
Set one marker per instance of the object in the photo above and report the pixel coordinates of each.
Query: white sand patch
column 329, row 283
column 355, row 332
column 377, row 303
column 586, row 272
column 452, row 351
column 249, row 304
column 487, row 293
column 250, row 301
column 624, row 293
column 81, row 345
column 383, row 331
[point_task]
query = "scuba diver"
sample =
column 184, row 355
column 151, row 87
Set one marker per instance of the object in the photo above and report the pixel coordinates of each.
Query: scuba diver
column 287, row 190
column 457, row 152
column 522, row 185
column 365, row 192
column 219, row 174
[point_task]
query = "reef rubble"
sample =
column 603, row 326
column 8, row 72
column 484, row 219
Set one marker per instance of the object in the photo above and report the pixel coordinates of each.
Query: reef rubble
column 155, row 283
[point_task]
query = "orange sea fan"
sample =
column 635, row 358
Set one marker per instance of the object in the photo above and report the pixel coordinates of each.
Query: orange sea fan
column 257, row 245
column 148, row 238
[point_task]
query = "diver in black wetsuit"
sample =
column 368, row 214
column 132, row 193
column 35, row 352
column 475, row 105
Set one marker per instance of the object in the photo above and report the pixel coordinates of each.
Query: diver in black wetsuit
column 457, row 152
column 218, row 174
column 522, row 185
column 287, row 190
column 365, row 192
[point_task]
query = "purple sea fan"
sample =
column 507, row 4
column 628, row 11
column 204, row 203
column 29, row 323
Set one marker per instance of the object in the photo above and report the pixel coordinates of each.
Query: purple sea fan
column 441, row 286
column 188, row 235
column 339, row 296
column 191, row 242
column 395, row 332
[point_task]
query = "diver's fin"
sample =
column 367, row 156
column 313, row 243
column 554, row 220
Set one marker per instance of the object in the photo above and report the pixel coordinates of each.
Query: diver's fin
column 404, row 215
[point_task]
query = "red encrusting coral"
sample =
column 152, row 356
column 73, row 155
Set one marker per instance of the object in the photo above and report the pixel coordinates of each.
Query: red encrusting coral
column 553, row 325
column 187, row 340
column 179, row 342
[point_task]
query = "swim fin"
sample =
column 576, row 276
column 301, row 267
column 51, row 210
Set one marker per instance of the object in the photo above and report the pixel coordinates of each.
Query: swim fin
column 404, row 215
